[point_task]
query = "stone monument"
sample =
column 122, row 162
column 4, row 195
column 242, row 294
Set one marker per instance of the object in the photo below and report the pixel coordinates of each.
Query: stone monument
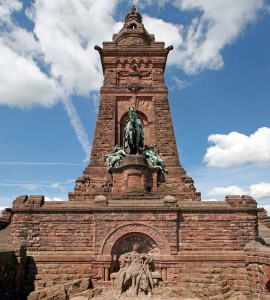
column 135, row 226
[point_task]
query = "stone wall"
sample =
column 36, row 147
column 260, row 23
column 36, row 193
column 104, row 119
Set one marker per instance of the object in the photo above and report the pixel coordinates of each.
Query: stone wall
column 53, row 231
column 88, row 230
column 193, row 248
column 258, row 266
column 217, row 279
column 220, row 230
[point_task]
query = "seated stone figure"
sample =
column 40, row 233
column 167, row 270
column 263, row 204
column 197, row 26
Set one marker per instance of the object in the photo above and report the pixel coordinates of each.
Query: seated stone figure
column 153, row 158
column 114, row 158
column 134, row 276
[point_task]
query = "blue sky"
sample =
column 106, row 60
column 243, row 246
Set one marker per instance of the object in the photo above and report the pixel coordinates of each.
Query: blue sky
column 217, row 75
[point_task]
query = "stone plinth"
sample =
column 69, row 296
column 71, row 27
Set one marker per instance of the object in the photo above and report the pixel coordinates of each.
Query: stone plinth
column 134, row 175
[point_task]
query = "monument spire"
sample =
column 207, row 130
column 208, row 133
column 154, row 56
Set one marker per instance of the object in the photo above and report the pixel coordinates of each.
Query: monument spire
column 134, row 226
column 134, row 129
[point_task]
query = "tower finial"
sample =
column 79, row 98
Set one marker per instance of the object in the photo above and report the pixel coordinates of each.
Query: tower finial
column 133, row 8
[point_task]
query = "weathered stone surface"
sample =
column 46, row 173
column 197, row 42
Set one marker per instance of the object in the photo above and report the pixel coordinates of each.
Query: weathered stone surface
column 201, row 250
column 61, row 292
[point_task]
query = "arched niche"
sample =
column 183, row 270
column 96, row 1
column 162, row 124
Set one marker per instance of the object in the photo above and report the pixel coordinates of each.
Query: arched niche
column 123, row 120
column 135, row 229
column 125, row 244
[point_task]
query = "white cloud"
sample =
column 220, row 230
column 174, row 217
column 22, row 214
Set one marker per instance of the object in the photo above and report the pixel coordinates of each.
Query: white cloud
column 57, row 60
column 66, row 31
column 219, row 24
column 164, row 31
column 21, row 82
column 143, row 3
column 53, row 199
column 237, row 149
column 260, row 190
column 224, row 191
column 4, row 202
column 267, row 208
column 7, row 8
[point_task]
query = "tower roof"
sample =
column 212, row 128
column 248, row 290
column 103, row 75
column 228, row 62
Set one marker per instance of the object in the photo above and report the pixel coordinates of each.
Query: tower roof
column 133, row 15
column 133, row 31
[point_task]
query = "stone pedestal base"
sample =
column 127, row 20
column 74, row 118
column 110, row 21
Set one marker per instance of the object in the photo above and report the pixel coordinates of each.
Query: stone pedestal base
column 134, row 175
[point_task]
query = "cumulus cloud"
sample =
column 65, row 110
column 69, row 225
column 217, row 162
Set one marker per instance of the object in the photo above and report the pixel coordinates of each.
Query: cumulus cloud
column 259, row 191
column 21, row 82
column 223, row 191
column 218, row 24
column 164, row 31
column 237, row 149
column 198, row 44
column 67, row 31
column 56, row 60
column 7, row 8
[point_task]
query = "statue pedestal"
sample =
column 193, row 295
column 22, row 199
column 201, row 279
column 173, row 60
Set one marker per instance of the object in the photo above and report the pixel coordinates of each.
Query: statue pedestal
column 134, row 175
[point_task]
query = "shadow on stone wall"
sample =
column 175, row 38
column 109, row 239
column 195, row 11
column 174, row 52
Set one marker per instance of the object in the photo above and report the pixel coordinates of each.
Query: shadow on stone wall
column 11, row 274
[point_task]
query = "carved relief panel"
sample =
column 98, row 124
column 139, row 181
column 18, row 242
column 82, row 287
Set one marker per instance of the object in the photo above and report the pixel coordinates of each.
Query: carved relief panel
column 135, row 73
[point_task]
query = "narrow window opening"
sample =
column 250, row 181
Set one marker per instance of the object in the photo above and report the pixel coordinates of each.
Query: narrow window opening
column 132, row 26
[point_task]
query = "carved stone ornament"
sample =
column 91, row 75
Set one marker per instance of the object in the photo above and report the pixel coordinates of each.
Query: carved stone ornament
column 156, row 236
column 134, row 277
column 82, row 184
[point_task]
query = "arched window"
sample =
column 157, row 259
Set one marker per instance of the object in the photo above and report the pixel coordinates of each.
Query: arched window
column 133, row 26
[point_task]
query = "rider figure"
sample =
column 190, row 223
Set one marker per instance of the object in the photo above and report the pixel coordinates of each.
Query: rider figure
column 133, row 132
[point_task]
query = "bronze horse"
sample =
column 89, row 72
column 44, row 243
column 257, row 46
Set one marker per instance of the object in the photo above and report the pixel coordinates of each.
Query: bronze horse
column 133, row 133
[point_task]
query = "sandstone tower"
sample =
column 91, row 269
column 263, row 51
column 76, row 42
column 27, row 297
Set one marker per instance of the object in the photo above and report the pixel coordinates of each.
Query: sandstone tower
column 189, row 248
column 133, row 66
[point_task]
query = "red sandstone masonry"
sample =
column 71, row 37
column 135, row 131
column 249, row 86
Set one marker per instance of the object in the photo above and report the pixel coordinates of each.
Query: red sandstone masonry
column 201, row 249
column 218, row 231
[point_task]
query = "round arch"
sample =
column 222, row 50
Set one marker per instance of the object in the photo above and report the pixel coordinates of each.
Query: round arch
column 124, row 118
column 146, row 235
